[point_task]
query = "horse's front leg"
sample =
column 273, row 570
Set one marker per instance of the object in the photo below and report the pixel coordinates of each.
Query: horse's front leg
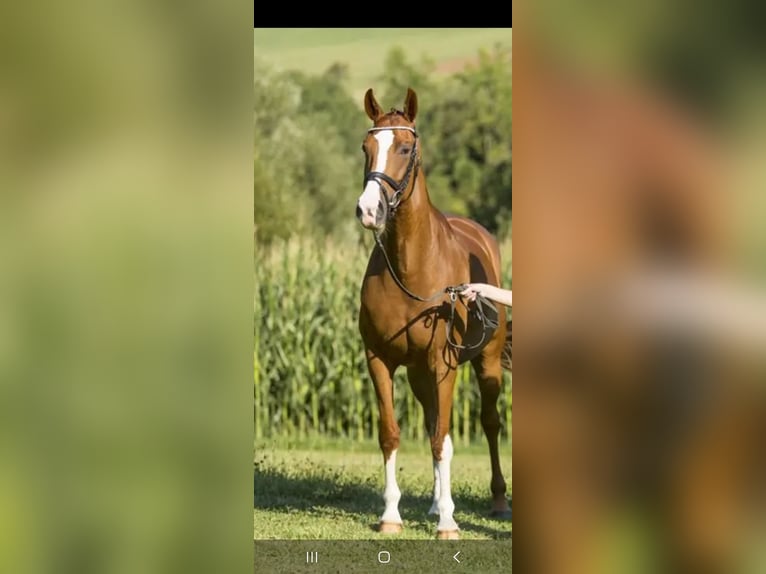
column 441, row 449
column 388, row 438
column 437, row 490
column 422, row 383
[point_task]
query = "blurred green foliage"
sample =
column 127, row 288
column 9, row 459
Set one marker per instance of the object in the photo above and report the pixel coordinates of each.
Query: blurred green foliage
column 308, row 129
column 126, row 288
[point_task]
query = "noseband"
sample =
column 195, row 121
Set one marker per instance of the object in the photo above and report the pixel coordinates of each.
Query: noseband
column 379, row 177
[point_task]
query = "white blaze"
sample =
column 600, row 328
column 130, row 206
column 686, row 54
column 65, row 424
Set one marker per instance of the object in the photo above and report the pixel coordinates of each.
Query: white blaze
column 445, row 504
column 392, row 494
column 368, row 201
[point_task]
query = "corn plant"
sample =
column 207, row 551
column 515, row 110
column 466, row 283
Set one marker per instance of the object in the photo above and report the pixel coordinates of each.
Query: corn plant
column 310, row 375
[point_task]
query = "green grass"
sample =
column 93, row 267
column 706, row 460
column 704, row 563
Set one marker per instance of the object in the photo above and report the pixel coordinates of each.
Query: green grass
column 312, row 50
column 334, row 491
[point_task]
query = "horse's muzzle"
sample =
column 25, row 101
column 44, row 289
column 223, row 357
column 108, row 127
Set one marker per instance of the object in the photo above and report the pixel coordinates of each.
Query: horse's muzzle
column 372, row 219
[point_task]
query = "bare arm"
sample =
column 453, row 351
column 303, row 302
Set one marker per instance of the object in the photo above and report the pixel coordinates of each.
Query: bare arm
column 497, row 294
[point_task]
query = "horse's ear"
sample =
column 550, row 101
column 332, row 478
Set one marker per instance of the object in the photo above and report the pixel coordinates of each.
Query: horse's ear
column 411, row 105
column 371, row 106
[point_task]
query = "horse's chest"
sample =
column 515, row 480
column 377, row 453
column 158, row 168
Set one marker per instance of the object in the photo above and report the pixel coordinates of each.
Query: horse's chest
column 401, row 329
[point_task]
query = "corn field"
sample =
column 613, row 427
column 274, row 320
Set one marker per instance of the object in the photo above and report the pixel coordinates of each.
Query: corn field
column 310, row 372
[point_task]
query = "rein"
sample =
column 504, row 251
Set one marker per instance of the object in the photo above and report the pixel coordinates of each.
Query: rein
column 453, row 292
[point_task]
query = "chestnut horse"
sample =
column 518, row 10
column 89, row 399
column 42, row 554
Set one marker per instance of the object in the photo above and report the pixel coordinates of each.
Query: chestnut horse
column 410, row 315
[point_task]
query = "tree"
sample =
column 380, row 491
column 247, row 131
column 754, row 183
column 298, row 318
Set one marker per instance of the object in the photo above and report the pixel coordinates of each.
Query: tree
column 326, row 99
column 399, row 74
column 303, row 171
column 467, row 150
column 490, row 86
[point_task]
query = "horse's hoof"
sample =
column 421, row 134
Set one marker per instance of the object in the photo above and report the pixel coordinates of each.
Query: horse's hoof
column 390, row 528
column 447, row 535
column 500, row 509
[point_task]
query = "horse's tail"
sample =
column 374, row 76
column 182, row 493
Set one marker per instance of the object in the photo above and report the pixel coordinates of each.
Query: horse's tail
column 506, row 357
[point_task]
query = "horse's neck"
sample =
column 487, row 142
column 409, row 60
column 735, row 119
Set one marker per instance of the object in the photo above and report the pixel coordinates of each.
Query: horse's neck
column 412, row 234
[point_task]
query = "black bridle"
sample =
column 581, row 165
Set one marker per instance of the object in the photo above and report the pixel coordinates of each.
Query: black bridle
column 399, row 187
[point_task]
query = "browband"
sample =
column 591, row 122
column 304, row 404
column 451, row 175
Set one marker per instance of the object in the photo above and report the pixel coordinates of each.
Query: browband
column 408, row 128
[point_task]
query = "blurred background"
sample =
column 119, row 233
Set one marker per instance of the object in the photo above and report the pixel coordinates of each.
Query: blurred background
column 126, row 287
column 640, row 318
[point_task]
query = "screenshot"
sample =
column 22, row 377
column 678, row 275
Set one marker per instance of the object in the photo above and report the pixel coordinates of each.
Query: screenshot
column 382, row 311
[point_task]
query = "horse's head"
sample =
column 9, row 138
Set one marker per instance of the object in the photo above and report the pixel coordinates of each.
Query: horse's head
column 392, row 156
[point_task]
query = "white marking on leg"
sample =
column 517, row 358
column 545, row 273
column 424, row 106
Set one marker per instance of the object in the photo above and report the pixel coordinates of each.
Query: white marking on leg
column 368, row 201
column 446, row 506
column 437, row 491
column 391, row 494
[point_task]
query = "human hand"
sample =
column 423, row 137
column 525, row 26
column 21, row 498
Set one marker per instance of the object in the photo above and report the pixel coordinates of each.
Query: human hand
column 471, row 290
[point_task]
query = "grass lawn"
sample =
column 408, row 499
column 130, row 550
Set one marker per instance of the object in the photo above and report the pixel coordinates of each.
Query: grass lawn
column 333, row 490
column 312, row 50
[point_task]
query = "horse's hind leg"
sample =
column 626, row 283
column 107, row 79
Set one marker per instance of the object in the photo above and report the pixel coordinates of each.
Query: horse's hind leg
column 388, row 438
column 490, row 374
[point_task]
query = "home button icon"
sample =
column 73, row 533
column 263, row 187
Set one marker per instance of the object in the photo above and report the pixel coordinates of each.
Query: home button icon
column 384, row 557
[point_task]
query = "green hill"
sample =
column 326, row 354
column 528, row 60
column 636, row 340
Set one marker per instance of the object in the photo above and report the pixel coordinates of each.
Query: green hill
column 312, row 50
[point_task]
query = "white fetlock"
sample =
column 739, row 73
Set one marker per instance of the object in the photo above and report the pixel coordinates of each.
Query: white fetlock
column 447, row 524
column 447, row 527
column 437, row 491
column 391, row 495
column 391, row 516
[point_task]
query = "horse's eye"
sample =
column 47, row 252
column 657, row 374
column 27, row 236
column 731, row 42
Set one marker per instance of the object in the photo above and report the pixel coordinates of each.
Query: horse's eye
column 405, row 150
